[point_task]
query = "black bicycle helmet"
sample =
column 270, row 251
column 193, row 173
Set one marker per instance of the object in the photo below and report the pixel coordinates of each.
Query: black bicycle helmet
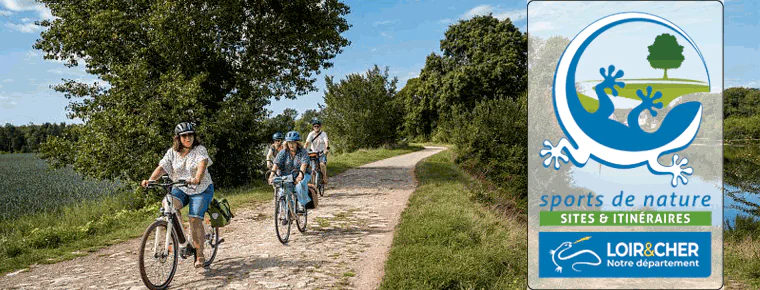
column 277, row 136
column 315, row 121
column 184, row 128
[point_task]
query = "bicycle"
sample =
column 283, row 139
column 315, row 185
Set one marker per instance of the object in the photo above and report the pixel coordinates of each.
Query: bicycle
column 174, row 238
column 285, row 207
column 316, row 171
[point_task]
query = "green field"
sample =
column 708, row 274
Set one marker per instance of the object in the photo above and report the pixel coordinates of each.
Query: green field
column 669, row 93
column 29, row 186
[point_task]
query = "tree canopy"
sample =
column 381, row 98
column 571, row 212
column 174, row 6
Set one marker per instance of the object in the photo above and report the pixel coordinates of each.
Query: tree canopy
column 483, row 58
column 360, row 110
column 159, row 63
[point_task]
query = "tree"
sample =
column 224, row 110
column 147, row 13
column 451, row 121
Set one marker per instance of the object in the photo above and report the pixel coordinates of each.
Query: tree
column 483, row 58
column 360, row 110
column 283, row 122
column 217, row 64
column 665, row 53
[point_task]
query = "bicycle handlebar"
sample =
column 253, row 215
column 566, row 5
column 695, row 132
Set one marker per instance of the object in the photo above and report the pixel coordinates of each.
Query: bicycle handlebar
column 156, row 184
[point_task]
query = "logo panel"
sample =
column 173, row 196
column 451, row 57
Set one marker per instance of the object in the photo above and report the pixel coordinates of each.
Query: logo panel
column 624, row 254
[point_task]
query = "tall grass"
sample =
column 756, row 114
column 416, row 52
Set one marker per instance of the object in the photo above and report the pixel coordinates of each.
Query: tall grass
column 742, row 253
column 446, row 240
column 75, row 229
column 29, row 186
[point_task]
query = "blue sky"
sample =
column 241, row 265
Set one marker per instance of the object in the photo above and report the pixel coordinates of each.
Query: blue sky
column 397, row 34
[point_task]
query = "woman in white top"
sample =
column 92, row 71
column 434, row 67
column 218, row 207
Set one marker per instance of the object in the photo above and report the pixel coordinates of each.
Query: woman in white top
column 317, row 142
column 188, row 160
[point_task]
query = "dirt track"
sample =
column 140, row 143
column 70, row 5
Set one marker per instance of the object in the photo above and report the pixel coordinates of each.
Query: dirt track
column 345, row 246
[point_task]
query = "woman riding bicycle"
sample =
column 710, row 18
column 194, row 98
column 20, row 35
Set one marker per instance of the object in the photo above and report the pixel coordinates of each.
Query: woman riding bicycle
column 317, row 142
column 275, row 148
column 294, row 157
column 188, row 160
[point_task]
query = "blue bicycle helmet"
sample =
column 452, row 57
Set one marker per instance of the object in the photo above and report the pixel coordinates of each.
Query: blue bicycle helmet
column 293, row 136
column 277, row 136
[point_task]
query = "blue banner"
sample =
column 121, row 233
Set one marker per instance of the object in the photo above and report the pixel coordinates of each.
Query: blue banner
column 624, row 254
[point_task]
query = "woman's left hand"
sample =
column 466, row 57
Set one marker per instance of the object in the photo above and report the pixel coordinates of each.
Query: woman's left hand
column 299, row 178
column 193, row 180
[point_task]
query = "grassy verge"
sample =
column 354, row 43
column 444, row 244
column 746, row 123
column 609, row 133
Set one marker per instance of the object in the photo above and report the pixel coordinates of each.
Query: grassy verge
column 87, row 226
column 741, row 254
column 445, row 240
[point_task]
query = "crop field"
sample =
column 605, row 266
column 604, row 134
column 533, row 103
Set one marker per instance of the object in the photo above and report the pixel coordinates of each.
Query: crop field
column 29, row 186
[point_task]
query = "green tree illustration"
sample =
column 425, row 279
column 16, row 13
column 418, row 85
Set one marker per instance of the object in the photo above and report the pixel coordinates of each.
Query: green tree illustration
column 665, row 53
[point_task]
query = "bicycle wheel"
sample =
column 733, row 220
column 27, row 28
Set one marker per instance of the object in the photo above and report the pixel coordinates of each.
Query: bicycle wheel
column 321, row 188
column 282, row 220
column 318, row 182
column 211, row 243
column 157, row 268
column 301, row 218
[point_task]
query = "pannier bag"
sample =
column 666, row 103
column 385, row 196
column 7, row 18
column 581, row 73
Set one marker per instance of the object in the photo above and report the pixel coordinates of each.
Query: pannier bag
column 219, row 212
column 314, row 197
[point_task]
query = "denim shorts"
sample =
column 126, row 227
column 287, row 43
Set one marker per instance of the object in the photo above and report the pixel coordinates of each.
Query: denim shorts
column 198, row 202
column 323, row 159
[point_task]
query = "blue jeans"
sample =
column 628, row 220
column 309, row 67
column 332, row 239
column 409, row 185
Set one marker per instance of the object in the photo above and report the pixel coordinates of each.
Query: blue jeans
column 302, row 189
column 198, row 202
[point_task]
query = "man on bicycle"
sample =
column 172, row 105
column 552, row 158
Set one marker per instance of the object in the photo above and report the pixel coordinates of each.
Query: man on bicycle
column 317, row 141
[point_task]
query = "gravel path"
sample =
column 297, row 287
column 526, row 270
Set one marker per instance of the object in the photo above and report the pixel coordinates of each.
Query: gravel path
column 345, row 246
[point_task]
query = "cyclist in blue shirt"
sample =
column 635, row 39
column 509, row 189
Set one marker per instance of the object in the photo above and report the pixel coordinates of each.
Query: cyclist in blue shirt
column 294, row 157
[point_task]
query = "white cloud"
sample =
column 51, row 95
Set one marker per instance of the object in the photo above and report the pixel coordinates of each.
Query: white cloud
column 374, row 49
column 445, row 21
column 27, row 5
column 384, row 22
column 58, row 71
column 478, row 10
column 514, row 15
column 8, row 80
column 540, row 26
column 5, row 13
column 32, row 54
column 25, row 28
column 385, row 34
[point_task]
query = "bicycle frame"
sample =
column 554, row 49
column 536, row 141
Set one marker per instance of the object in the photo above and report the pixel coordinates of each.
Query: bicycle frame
column 286, row 184
column 316, row 167
column 172, row 224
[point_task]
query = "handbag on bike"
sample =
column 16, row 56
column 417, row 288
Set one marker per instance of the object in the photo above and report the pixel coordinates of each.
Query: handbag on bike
column 314, row 197
column 219, row 212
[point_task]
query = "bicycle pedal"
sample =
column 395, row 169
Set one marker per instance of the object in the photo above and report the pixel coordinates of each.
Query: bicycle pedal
column 220, row 241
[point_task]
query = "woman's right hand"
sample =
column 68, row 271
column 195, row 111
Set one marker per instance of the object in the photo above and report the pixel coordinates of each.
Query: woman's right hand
column 144, row 183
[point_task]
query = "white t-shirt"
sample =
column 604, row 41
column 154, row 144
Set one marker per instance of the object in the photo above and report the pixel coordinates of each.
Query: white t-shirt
column 320, row 143
column 179, row 167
